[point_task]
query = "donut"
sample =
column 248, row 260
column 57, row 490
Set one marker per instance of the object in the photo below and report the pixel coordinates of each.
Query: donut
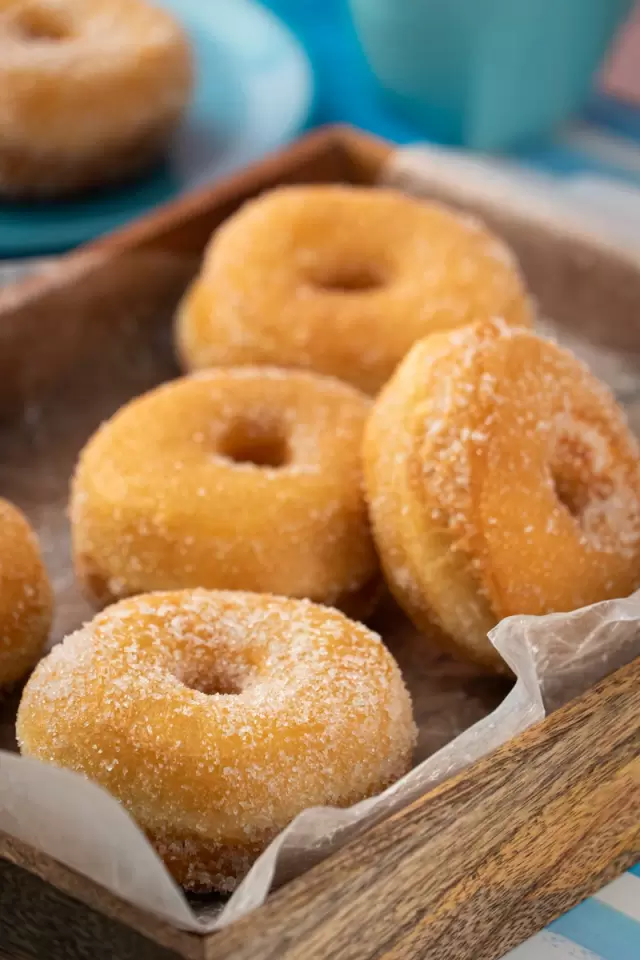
column 236, row 479
column 502, row 479
column 26, row 599
column 90, row 91
column 216, row 717
column 342, row 280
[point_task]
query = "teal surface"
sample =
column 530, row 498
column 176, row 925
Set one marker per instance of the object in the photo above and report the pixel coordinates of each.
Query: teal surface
column 253, row 93
column 347, row 91
column 607, row 932
column 490, row 74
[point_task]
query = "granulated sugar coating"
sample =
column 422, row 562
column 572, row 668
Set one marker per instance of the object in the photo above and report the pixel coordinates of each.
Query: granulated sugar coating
column 502, row 479
column 342, row 280
column 90, row 91
column 239, row 479
column 26, row 598
column 215, row 718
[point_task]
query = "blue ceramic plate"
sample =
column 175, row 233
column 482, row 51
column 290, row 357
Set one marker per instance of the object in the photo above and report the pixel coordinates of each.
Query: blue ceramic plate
column 253, row 93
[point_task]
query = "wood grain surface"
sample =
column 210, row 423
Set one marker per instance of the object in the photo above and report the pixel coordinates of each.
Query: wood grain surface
column 474, row 867
column 482, row 862
column 46, row 923
column 467, row 872
column 49, row 911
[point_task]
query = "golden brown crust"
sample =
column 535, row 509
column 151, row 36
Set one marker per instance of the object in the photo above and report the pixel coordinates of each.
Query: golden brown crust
column 200, row 866
column 26, row 175
column 502, row 479
column 215, row 718
column 26, row 598
column 342, row 280
column 90, row 91
column 234, row 479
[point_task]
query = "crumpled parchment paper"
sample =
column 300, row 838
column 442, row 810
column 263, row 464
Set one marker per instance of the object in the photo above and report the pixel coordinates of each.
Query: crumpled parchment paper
column 554, row 659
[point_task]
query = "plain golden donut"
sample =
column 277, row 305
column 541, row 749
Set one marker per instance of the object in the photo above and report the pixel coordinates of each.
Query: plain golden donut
column 342, row 280
column 215, row 718
column 26, row 598
column 246, row 479
column 502, row 479
column 90, row 91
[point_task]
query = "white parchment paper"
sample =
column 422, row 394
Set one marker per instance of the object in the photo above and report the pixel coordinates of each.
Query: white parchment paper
column 554, row 658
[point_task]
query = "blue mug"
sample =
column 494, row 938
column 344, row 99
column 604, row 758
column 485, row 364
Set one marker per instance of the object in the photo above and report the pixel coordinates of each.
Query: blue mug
column 488, row 74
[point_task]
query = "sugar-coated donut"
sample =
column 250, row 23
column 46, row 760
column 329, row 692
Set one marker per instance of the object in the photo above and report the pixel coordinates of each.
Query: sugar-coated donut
column 245, row 479
column 26, row 598
column 502, row 479
column 90, row 91
column 215, row 718
column 342, row 280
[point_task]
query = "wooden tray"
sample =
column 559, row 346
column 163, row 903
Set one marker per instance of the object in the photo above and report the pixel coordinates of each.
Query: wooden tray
column 478, row 864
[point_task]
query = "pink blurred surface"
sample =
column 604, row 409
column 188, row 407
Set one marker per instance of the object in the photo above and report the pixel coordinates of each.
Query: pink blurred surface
column 622, row 74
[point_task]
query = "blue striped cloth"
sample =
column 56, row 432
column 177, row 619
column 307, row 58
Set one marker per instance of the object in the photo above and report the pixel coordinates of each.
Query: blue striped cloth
column 603, row 927
column 602, row 147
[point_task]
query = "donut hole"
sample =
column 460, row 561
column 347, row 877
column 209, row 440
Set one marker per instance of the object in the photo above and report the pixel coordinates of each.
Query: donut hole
column 349, row 278
column 575, row 480
column 214, row 684
column 256, row 443
column 41, row 25
column 211, row 674
column 569, row 493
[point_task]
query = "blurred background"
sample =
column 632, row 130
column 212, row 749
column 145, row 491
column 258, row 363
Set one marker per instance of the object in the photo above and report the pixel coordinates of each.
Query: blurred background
column 544, row 93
